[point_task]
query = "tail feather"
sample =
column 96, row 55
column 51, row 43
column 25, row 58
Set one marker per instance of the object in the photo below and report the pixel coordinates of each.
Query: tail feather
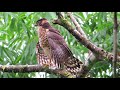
column 73, row 65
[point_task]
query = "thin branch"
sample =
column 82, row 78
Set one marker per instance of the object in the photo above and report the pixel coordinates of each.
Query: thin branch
column 115, row 44
column 76, row 24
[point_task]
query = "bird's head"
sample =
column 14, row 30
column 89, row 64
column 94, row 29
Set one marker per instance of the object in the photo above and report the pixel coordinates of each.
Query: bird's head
column 41, row 22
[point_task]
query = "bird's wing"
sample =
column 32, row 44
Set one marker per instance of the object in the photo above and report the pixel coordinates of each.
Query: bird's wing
column 60, row 51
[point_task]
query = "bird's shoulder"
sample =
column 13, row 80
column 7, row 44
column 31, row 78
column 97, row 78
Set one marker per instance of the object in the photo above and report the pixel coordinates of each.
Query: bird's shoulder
column 54, row 30
column 54, row 34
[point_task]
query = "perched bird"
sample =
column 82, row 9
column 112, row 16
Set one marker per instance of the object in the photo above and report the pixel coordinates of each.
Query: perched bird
column 53, row 51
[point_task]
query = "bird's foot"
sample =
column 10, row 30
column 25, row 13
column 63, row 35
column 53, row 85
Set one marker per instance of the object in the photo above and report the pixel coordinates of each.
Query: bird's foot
column 46, row 65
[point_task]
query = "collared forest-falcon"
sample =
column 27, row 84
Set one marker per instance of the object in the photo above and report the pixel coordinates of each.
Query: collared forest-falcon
column 53, row 51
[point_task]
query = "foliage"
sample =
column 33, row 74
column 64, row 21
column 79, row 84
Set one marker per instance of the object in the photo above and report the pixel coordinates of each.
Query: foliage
column 18, row 39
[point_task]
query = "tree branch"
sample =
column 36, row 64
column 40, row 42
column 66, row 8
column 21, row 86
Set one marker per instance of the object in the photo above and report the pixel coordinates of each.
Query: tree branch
column 76, row 24
column 38, row 68
column 31, row 68
column 97, row 51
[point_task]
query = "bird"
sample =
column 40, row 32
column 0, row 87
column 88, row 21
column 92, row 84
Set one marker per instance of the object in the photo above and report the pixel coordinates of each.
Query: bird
column 53, row 51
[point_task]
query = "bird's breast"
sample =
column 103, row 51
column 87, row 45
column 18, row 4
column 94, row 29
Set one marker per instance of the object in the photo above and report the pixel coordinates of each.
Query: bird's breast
column 43, row 37
column 44, row 41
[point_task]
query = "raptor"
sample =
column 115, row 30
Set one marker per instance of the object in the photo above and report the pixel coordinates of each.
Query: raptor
column 53, row 51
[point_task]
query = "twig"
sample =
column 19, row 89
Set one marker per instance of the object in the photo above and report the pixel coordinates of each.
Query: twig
column 76, row 24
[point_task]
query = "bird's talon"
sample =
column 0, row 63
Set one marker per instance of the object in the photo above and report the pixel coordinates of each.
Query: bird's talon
column 46, row 65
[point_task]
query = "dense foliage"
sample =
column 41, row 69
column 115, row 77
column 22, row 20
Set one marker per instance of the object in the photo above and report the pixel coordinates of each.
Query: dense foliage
column 18, row 39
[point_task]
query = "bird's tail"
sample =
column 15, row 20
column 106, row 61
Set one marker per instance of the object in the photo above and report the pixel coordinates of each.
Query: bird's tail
column 73, row 65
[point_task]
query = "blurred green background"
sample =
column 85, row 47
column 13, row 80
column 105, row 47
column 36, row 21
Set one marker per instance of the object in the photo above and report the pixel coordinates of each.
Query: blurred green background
column 18, row 39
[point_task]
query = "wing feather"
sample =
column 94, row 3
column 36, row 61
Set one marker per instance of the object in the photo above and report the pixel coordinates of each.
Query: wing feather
column 59, row 48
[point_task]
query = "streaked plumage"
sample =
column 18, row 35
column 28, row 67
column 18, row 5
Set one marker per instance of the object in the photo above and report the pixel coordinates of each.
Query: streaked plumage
column 54, row 49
